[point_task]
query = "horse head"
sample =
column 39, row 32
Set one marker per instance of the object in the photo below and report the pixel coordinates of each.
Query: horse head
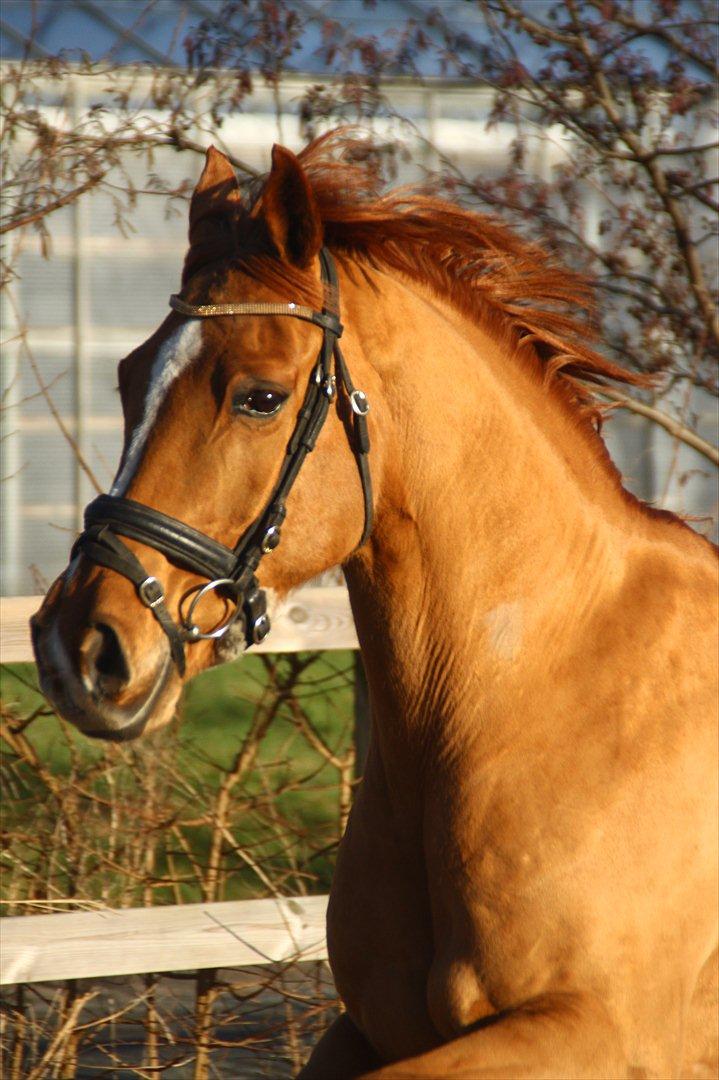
column 222, row 406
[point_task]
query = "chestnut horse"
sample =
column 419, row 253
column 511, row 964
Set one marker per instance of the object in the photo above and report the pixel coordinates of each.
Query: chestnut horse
column 527, row 886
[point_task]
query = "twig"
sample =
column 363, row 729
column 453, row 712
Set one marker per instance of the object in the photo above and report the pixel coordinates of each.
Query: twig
column 206, row 993
column 72, row 442
column 687, row 247
column 64, row 200
column 61, row 1034
column 677, row 430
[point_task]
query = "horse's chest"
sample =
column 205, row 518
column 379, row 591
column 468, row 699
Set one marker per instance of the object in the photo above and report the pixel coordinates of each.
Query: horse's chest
column 406, row 989
column 414, row 933
column 379, row 936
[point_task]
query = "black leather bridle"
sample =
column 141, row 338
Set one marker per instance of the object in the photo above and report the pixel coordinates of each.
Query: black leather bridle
column 231, row 571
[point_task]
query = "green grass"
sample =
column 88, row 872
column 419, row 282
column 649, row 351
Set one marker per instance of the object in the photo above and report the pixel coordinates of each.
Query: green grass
column 215, row 712
column 298, row 827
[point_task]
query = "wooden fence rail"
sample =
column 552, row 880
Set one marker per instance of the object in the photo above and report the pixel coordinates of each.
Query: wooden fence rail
column 312, row 618
column 131, row 941
column 103, row 941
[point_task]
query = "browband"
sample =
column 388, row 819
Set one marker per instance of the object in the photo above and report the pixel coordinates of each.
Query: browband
column 328, row 320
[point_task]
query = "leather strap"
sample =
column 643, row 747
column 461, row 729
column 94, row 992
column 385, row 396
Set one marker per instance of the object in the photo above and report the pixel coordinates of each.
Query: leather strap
column 328, row 320
column 359, row 404
column 178, row 541
column 360, row 407
column 101, row 545
column 232, row 571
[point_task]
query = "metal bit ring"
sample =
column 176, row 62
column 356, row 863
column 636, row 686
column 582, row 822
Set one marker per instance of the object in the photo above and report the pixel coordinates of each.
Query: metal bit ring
column 193, row 631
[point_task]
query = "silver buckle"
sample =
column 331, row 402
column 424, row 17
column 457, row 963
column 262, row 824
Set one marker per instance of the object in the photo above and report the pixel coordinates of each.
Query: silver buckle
column 329, row 387
column 270, row 540
column 150, row 592
column 359, row 402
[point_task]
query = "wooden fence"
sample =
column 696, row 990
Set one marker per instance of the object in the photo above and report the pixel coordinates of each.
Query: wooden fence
column 102, row 941
column 132, row 941
column 312, row 618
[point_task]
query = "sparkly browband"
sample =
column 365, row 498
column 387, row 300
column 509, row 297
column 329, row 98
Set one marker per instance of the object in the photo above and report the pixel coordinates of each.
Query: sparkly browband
column 325, row 319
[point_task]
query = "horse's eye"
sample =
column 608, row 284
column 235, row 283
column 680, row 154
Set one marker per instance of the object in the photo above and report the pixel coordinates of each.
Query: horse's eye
column 258, row 402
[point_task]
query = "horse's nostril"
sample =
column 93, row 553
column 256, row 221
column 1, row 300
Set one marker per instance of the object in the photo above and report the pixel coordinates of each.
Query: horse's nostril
column 107, row 665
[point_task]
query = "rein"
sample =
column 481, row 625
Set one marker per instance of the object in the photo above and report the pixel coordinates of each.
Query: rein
column 231, row 571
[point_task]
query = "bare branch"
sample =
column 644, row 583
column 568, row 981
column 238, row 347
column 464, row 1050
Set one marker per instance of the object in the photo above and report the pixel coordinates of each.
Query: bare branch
column 66, row 434
column 677, row 430
column 50, row 208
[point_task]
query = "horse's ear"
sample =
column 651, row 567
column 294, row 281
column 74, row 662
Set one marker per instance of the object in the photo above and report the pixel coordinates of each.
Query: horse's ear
column 288, row 209
column 216, row 202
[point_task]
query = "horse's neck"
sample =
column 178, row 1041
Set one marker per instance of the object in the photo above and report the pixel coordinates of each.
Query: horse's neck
column 498, row 527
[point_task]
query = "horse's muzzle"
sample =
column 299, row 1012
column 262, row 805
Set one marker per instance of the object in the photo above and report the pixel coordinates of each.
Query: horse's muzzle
column 90, row 683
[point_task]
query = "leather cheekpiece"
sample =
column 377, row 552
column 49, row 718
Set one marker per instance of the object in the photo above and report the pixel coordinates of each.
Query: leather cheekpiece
column 231, row 571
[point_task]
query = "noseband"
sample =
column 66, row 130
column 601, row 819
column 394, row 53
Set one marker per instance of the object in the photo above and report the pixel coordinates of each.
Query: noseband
column 231, row 571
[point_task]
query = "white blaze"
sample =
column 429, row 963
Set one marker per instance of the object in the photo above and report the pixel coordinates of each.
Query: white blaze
column 176, row 352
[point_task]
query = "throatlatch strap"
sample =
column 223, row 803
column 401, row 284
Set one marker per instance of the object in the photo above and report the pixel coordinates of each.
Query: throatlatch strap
column 360, row 407
column 357, row 400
